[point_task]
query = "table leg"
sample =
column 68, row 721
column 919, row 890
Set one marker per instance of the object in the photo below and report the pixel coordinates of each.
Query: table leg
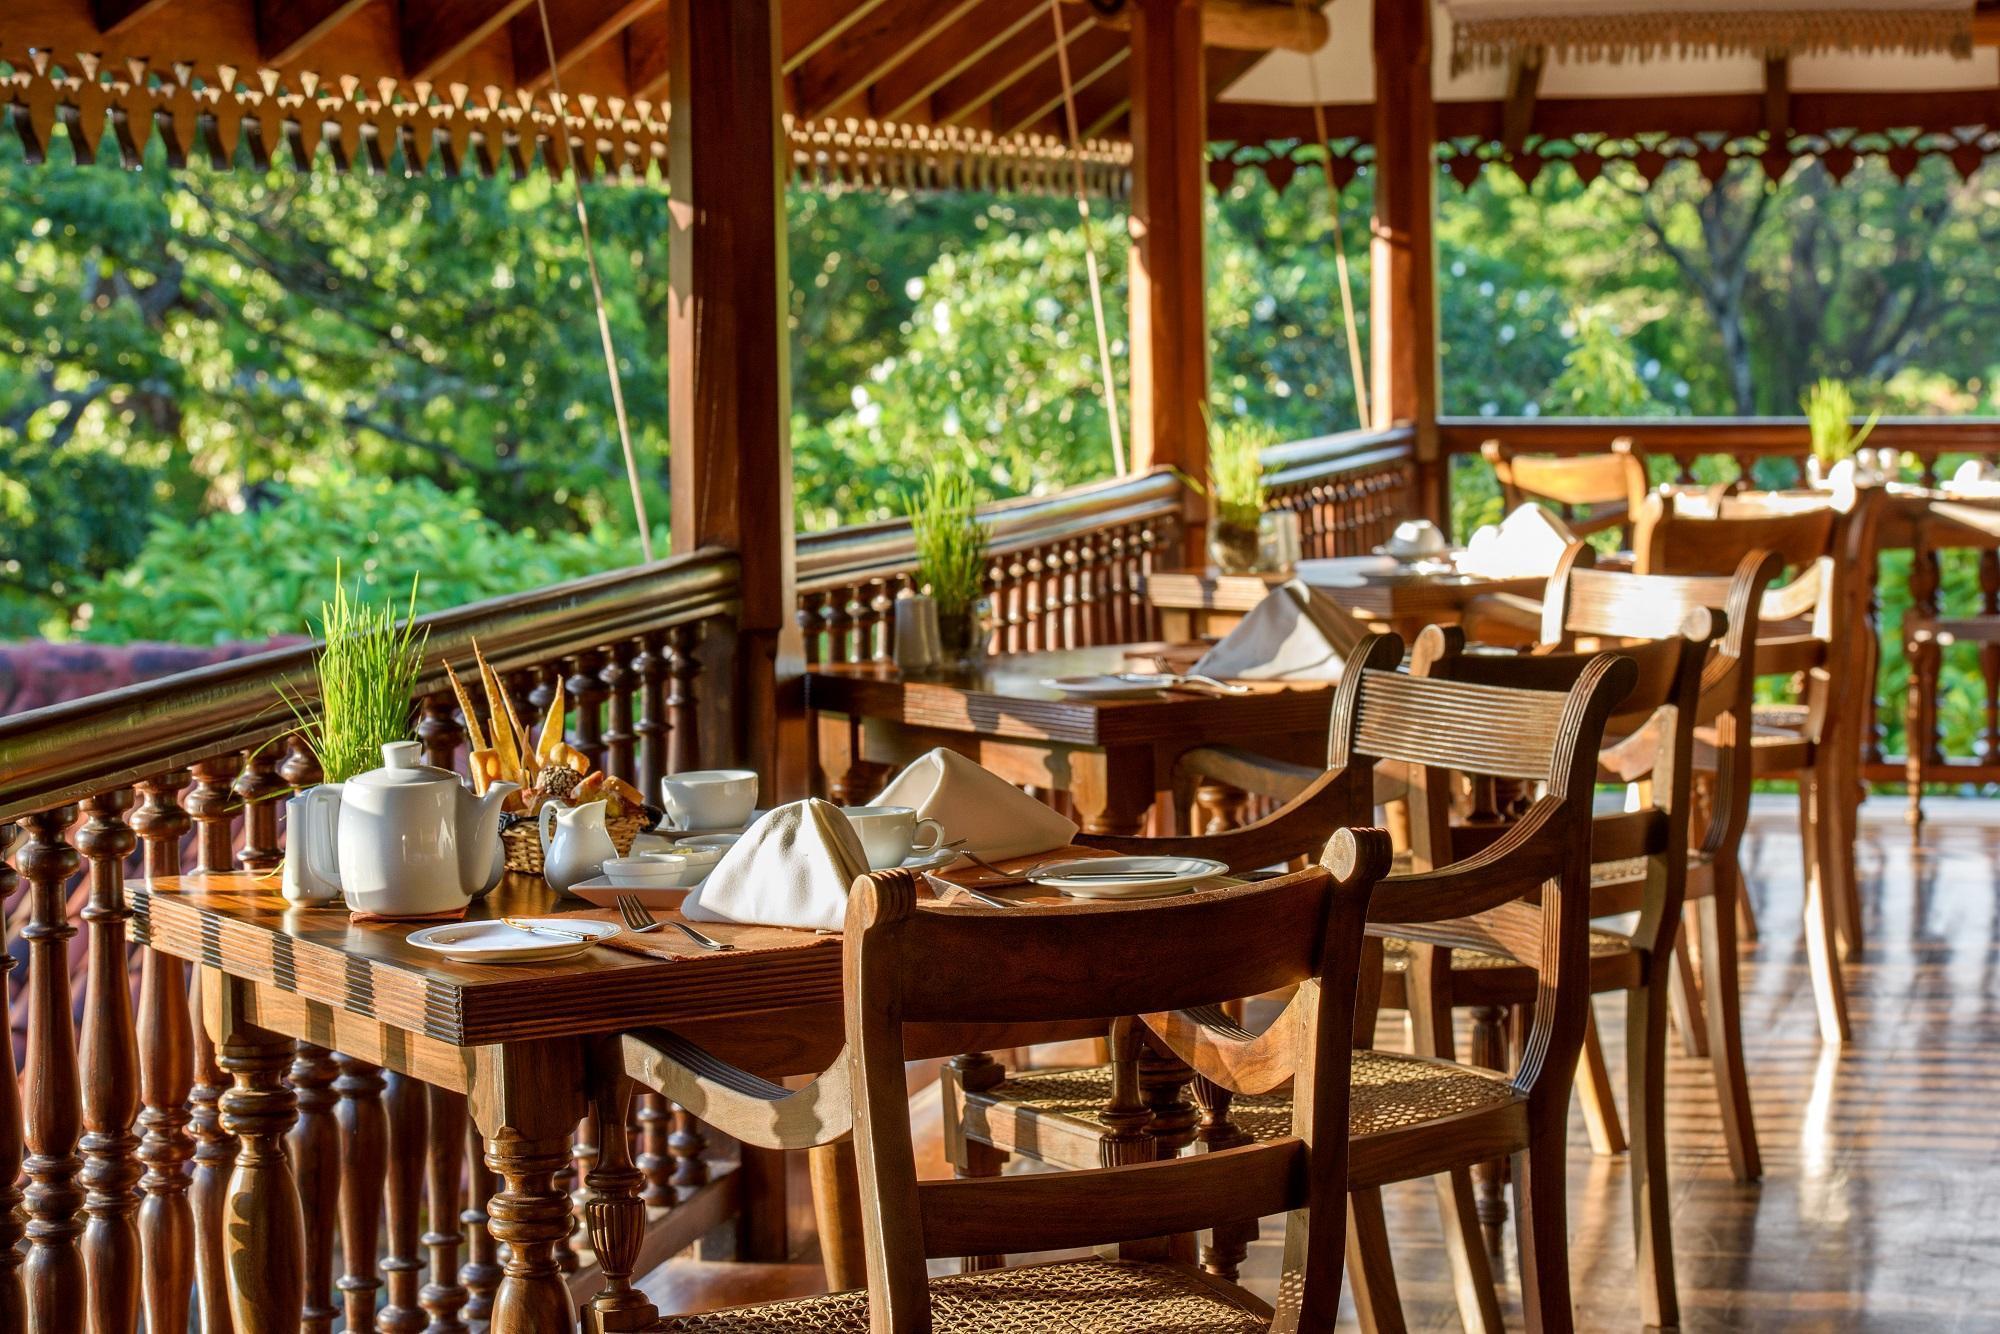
column 264, row 1233
column 526, row 1100
column 615, row 1214
column 836, row 1189
column 1112, row 789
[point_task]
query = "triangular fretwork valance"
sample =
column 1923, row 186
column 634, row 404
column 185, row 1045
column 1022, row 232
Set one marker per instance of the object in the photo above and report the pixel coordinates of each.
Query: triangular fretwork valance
column 1492, row 32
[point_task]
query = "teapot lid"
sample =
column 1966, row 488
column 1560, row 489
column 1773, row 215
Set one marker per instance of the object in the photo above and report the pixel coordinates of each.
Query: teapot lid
column 402, row 766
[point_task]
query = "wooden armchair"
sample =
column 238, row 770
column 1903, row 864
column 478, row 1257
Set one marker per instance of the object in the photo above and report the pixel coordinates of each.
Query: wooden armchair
column 1524, row 896
column 932, row 965
column 1592, row 492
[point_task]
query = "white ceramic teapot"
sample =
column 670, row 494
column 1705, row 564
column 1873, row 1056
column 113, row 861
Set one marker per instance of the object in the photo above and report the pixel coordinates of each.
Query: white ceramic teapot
column 413, row 839
column 575, row 843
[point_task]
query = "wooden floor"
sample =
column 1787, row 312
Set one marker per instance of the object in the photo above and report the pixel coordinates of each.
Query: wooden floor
column 1880, row 1204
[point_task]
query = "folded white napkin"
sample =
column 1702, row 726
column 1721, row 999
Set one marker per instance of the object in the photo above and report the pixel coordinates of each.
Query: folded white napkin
column 995, row 818
column 1297, row 633
column 792, row 868
column 1973, row 478
column 1525, row 544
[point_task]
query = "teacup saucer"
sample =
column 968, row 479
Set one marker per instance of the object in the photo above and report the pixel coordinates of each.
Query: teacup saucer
column 934, row 860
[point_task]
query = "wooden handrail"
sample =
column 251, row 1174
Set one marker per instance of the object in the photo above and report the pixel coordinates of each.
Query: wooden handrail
column 1329, row 455
column 1782, row 436
column 56, row 755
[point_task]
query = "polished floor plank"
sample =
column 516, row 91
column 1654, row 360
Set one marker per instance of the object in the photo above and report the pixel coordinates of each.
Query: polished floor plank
column 1880, row 1205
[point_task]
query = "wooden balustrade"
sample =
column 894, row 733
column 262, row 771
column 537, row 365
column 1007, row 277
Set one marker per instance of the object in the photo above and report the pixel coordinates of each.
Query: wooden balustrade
column 1349, row 490
column 129, row 1132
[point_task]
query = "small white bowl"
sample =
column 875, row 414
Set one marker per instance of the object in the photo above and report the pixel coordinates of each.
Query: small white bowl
column 648, row 870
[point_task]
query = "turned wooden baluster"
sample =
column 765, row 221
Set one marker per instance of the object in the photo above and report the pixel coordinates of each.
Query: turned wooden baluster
column 880, row 645
column 1229, row 1244
column 839, row 624
column 617, row 678
column 583, row 1156
column 807, row 616
column 655, row 1161
column 541, row 693
column 209, row 801
column 364, row 1151
column 263, row 1224
column 404, row 1107
column 651, row 668
column 259, row 788
column 444, row 1297
column 13, row 1301
column 688, row 1146
column 615, row 1214
column 214, row 1157
column 440, row 731
column 50, row 1089
column 481, row 1272
column 315, row 1149
column 110, row 1058
column 684, row 729
column 586, row 702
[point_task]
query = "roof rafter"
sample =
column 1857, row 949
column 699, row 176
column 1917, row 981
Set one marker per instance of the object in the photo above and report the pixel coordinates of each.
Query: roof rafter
column 577, row 28
column 646, row 55
column 438, row 32
column 1091, row 57
column 1006, row 65
column 285, row 28
column 806, row 26
column 871, row 48
column 112, row 15
column 951, row 53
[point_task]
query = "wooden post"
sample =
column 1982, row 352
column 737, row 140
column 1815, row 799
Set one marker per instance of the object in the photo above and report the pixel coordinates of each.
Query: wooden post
column 1169, row 275
column 727, row 155
column 1403, row 315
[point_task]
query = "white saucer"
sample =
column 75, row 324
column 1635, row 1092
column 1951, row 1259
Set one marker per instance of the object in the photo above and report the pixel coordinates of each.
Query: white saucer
column 1126, row 877
column 677, row 834
column 496, row 942
column 599, row 892
column 934, row 860
column 1116, row 685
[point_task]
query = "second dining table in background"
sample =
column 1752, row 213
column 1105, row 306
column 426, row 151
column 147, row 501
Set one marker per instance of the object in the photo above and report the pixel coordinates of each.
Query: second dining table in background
column 1203, row 604
column 1114, row 758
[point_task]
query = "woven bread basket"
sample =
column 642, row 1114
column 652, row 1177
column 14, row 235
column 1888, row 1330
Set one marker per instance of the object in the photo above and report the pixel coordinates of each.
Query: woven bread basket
column 524, row 841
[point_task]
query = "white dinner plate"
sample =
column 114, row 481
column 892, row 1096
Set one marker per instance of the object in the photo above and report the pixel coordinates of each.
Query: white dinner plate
column 1126, row 877
column 496, row 942
column 1114, row 685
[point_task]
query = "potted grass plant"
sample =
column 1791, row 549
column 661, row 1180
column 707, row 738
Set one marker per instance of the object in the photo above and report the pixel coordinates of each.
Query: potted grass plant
column 1829, row 408
column 951, row 561
column 1235, row 491
column 366, row 671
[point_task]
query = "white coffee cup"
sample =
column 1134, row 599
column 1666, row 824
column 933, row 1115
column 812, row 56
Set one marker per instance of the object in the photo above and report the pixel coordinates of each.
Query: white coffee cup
column 889, row 833
column 648, row 870
column 709, row 798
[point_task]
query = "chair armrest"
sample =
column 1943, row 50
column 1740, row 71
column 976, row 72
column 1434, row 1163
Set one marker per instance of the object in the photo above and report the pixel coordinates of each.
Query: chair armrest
column 1518, row 862
column 1502, row 618
column 1259, row 775
column 736, row 1102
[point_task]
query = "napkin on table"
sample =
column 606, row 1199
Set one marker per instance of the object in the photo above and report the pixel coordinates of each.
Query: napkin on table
column 995, row 818
column 1297, row 633
column 791, row 868
column 1524, row 545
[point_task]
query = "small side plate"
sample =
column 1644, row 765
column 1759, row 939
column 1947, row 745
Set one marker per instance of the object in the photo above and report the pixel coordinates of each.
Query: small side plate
column 1126, row 877
column 599, row 892
column 1116, row 685
column 496, row 942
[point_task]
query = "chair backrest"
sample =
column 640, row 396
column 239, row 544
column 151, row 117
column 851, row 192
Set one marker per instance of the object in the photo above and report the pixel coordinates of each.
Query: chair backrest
column 1527, row 895
column 1592, row 492
column 1667, row 540
column 956, row 964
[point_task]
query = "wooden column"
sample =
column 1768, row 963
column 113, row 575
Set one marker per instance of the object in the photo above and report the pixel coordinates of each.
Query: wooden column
column 727, row 155
column 1169, row 273
column 1403, row 315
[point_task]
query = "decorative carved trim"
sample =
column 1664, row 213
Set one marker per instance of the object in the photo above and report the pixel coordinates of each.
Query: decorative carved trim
column 226, row 112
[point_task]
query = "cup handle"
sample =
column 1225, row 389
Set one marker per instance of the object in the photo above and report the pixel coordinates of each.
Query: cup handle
column 542, row 823
column 670, row 812
column 937, row 835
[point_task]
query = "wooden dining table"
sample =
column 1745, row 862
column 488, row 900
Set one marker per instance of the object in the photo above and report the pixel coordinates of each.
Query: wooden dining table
column 1114, row 758
column 1204, row 604
column 533, row 1047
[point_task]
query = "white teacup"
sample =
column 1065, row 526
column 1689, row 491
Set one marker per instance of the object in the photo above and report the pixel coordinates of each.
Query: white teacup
column 647, row 870
column 709, row 798
column 1416, row 538
column 889, row 833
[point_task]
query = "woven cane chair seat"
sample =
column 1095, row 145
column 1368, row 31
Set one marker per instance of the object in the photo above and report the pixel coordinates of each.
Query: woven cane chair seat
column 1070, row 1297
column 1391, row 1092
column 1603, row 945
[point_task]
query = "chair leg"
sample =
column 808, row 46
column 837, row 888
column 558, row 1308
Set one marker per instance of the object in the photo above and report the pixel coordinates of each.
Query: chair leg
column 1840, row 813
column 1822, row 947
column 1489, row 1049
column 1541, row 1221
column 1716, row 922
column 1686, row 999
column 1593, row 1087
column 1371, row 1272
column 970, row 1157
column 1746, row 911
column 1652, row 1200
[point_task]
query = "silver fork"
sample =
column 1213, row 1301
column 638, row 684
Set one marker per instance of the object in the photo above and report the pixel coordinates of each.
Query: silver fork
column 637, row 919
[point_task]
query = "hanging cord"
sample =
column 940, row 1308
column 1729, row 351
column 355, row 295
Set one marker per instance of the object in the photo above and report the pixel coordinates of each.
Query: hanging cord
column 597, row 292
column 1354, row 363
column 1089, row 244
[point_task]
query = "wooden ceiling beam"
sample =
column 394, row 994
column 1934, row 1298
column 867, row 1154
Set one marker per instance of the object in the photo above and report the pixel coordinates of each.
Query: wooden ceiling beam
column 961, row 99
column 578, row 27
column 806, row 27
column 1778, row 100
column 1105, row 108
column 1248, row 25
column 1524, row 82
column 111, row 16
column 438, row 32
column 285, row 28
column 870, row 49
column 951, row 53
column 1091, row 57
column 647, row 55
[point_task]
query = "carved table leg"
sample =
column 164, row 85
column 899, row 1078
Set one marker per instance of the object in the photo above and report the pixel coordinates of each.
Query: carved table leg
column 615, row 1214
column 1112, row 789
column 527, row 1099
column 263, row 1232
